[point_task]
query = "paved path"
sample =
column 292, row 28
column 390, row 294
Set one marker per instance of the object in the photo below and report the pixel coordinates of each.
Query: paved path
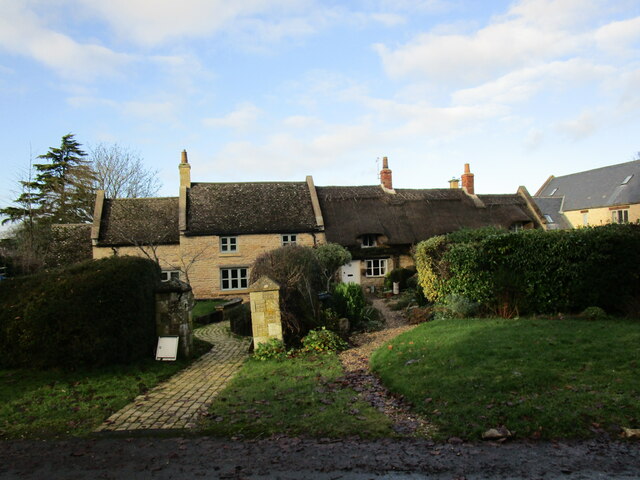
column 177, row 403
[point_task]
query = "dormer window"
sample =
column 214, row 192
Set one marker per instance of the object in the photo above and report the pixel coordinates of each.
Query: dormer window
column 369, row 241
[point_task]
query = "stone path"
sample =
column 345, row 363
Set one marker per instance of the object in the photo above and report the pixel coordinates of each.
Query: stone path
column 178, row 402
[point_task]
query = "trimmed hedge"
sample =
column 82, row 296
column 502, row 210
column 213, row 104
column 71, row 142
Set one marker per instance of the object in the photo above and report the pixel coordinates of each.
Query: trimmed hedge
column 535, row 271
column 91, row 314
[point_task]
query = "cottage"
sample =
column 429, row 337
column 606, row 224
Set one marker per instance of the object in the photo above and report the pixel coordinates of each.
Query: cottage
column 212, row 233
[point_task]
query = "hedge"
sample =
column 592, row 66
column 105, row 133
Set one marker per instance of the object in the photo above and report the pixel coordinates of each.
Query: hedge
column 536, row 271
column 91, row 314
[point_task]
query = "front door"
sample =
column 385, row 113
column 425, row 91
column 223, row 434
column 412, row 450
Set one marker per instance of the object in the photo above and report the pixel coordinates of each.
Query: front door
column 350, row 273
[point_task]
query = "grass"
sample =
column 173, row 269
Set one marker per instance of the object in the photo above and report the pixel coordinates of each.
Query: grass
column 541, row 378
column 298, row 396
column 55, row 403
column 204, row 307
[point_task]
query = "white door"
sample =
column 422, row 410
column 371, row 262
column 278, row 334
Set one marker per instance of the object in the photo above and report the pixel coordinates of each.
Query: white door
column 350, row 273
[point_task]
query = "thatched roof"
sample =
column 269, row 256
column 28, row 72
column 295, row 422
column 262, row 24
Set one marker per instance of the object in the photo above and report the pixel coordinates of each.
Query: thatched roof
column 139, row 221
column 411, row 215
column 245, row 208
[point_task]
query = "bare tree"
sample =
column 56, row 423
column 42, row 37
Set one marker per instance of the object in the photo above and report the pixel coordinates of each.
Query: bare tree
column 121, row 173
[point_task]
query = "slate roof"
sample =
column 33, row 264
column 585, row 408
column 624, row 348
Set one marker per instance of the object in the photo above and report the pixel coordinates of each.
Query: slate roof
column 411, row 215
column 137, row 221
column 552, row 206
column 601, row 187
column 244, row 208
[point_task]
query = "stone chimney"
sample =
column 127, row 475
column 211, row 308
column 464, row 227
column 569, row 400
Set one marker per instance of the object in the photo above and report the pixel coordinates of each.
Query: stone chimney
column 467, row 180
column 454, row 183
column 385, row 175
column 185, row 171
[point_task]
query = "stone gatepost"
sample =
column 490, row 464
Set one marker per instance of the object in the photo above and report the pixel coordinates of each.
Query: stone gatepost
column 174, row 302
column 264, row 295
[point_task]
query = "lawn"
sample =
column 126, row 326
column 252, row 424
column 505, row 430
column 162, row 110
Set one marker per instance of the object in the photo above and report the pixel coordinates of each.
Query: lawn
column 204, row 307
column 299, row 396
column 541, row 378
column 54, row 403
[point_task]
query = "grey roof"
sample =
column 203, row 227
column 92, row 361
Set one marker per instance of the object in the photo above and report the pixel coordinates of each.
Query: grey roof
column 139, row 221
column 243, row 208
column 552, row 206
column 411, row 215
column 601, row 187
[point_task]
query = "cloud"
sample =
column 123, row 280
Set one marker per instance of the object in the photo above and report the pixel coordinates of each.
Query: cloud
column 242, row 117
column 534, row 138
column 22, row 33
column 301, row 121
column 531, row 32
column 157, row 110
column 618, row 38
column 580, row 127
column 158, row 22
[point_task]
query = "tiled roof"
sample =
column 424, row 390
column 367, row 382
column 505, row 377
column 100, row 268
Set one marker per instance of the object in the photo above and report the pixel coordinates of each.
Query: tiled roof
column 411, row 215
column 139, row 221
column 601, row 187
column 552, row 206
column 243, row 208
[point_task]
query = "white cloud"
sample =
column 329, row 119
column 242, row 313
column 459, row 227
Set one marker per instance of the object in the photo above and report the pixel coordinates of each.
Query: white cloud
column 533, row 31
column 580, row 127
column 618, row 38
column 160, row 21
column 301, row 121
column 242, row 117
column 533, row 139
column 22, row 33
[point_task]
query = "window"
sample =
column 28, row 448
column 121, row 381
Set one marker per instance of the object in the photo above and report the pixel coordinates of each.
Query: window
column 620, row 216
column 234, row 278
column 369, row 241
column 585, row 218
column 228, row 244
column 167, row 275
column 548, row 218
column 626, row 180
column 289, row 239
column 516, row 227
column 553, row 191
column 376, row 267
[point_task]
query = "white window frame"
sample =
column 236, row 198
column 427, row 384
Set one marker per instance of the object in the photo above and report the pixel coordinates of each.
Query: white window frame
column 289, row 239
column 229, row 244
column 620, row 215
column 166, row 275
column 375, row 267
column 369, row 241
column 585, row 219
column 229, row 275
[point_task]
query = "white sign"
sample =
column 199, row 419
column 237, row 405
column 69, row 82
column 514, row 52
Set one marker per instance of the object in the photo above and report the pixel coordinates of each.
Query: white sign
column 167, row 348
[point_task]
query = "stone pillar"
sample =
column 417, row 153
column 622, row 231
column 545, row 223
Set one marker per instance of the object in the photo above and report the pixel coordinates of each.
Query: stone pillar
column 174, row 302
column 264, row 295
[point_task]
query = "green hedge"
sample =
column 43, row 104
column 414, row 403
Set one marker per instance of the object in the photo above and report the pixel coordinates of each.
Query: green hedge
column 91, row 314
column 536, row 271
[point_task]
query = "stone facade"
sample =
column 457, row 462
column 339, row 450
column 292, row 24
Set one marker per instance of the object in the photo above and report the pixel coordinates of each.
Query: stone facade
column 265, row 311
column 200, row 259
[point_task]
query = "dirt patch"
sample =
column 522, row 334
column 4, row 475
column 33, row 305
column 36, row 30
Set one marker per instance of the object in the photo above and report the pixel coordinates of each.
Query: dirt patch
column 358, row 376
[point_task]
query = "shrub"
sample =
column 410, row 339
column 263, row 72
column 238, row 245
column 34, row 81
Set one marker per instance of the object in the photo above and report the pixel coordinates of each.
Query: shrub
column 323, row 340
column 348, row 301
column 239, row 319
column 535, row 271
column 594, row 313
column 400, row 276
column 90, row 314
column 273, row 349
column 331, row 257
column 457, row 306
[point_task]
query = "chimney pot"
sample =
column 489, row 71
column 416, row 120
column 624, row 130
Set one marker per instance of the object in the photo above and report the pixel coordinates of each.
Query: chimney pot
column 185, row 171
column 184, row 157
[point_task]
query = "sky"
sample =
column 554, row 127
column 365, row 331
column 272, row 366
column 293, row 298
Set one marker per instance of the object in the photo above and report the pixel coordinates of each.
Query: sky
column 274, row 90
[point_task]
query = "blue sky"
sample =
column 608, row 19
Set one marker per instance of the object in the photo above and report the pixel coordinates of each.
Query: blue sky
column 259, row 90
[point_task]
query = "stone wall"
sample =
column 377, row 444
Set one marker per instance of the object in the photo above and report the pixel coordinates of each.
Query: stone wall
column 174, row 302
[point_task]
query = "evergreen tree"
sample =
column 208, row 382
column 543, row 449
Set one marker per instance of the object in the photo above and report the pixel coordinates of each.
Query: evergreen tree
column 62, row 191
